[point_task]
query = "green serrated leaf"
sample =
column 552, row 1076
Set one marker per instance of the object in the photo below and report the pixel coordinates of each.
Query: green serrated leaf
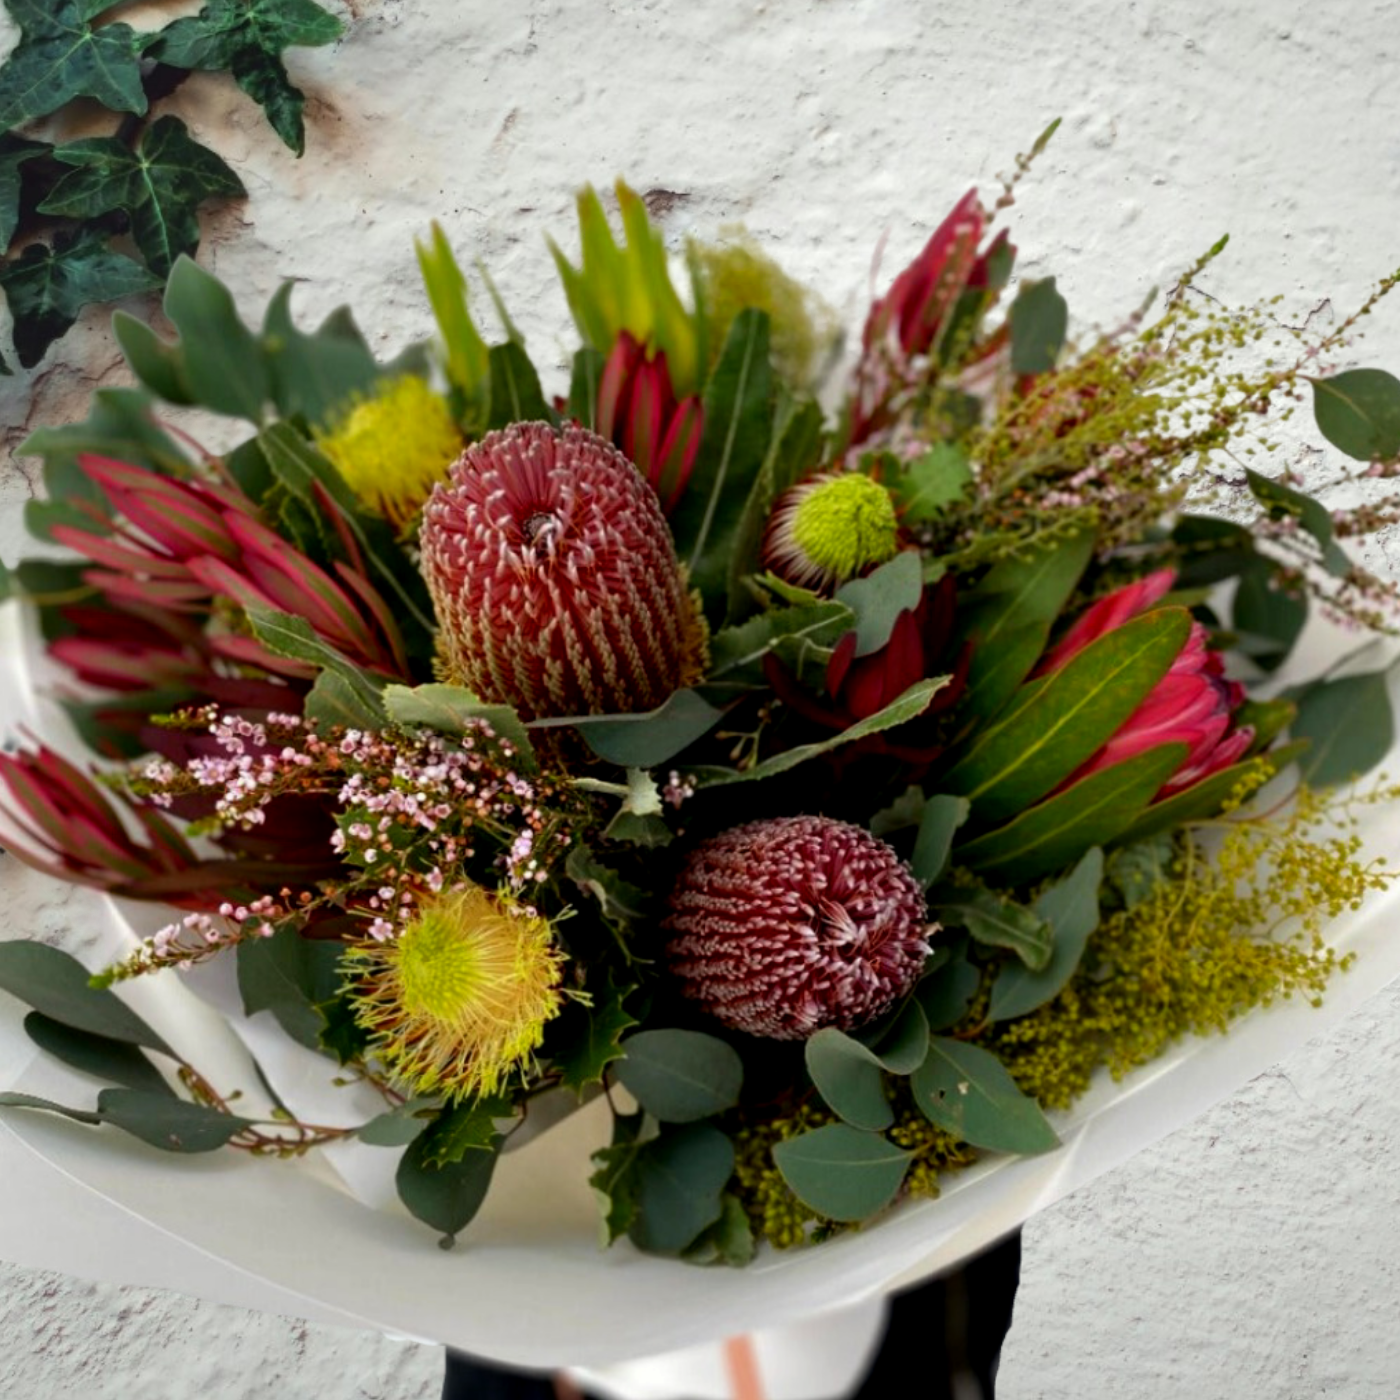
column 966, row 1091
column 247, row 38
column 516, row 396
column 450, row 708
column 1039, row 320
column 1070, row 908
column 333, row 700
column 841, row 1172
column 1350, row 725
column 1358, row 411
column 619, row 901
column 47, row 287
column 680, row 1076
column 585, row 1040
column 159, row 183
column 1059, row 721
column 465, row 1128
column 113, row 1060
column 171, row 1124
column 1136, row 870
column 849, row 1077
column 939, row 819
column 61, row 56
column 679, row 1178
column 615, row 1189
column 730, row 1240
column 928, row 485
column 905, row 811
column 818, row 624
column 996, row 922
column 57, row 985
column 446, row 1198
column 221, row 359
column 1056, row 832
column 314, row 376
column 734, row 443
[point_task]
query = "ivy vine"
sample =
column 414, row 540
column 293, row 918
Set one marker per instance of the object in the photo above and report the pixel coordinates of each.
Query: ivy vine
column 103, row 217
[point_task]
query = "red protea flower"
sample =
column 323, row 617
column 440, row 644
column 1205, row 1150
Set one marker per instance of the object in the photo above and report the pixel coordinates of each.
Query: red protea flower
column 637, row 409
column 1193, row 704
column 554, row 578
column 857, row 687
column 782, row 927
column 912, row 318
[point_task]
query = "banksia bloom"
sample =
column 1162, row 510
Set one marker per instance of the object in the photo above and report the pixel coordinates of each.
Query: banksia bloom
column 829, row 529
column 1192, row 704
column 638, row 411
column 784, row 926
column 554, row 578
column 393, row 447
column 456, row 1004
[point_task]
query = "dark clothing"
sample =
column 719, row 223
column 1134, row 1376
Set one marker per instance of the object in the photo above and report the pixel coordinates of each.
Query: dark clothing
column 970, row 1307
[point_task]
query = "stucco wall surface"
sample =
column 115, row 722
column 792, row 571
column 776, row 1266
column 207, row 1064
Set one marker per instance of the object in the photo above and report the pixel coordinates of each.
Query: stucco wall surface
column 1252, row 1254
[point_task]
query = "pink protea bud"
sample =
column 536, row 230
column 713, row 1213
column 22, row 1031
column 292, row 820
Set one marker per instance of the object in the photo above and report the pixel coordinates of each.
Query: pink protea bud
column 784, row 926
column 554, row 578
column 1193, row 704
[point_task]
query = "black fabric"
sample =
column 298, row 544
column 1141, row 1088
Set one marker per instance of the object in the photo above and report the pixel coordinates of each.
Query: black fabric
column 942, row 1341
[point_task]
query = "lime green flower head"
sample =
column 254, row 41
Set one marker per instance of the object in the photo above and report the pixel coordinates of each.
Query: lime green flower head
column 831, row 528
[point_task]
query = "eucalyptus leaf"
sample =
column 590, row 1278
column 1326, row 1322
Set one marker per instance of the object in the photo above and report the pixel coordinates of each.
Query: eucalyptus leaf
column 1350, row 724
column 57, row 984
column 878, row 599
column 78, row 1115
column 679, row 1178
column 445, row 1198
column 849, row 1077
column 967, row 1091
column 1070, row 908
column 1358, row 411
column 680, row 1076
column 996, row 922
column 294, row 638
column 118, row 1062
column 648, row 739
column 939, row 821
column 945, row 993
column 169, row 1123
column 841, row 1172
column 1264, row 609
column 1039, row 320
column 1284, row 501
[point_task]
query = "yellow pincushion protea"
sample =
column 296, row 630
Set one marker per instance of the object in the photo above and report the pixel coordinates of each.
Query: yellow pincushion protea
column 457, row 1003
column 393, row 447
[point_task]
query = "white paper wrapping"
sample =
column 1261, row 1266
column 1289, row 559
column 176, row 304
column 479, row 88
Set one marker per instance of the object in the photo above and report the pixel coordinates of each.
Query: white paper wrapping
column 528, row 1283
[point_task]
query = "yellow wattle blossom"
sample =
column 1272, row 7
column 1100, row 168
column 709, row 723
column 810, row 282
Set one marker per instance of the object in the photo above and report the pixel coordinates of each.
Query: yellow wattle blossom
column 394, row 446
column 457, row 1003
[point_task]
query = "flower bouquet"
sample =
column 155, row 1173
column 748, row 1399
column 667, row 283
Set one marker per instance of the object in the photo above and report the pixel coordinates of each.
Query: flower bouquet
column 807, row 817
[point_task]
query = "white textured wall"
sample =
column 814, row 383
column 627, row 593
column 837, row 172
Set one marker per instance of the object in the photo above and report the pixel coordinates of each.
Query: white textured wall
column 1250, row 1255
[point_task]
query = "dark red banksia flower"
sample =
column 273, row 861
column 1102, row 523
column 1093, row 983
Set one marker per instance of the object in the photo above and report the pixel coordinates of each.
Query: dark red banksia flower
column 782, row 927
column 554, row 578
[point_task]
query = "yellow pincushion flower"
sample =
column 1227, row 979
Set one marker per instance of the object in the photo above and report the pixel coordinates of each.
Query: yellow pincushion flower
column 393, row 447
column 457, row 1003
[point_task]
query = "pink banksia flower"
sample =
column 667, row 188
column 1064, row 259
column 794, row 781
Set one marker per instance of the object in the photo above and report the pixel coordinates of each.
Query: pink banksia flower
column 782, row 927
column 638, row 411
column 554, row 579
column 1193, row 704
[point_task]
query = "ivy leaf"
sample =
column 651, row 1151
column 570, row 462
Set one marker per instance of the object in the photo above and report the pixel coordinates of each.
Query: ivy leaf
column 61, row 56
column 247, row 38
column 14, row 151
column 159, row 185
column 48, row 287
